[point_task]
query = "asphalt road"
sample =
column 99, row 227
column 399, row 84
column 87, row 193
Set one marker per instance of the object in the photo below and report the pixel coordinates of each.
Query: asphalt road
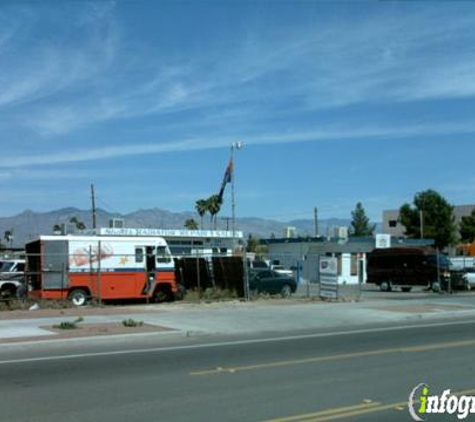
column 365, row 375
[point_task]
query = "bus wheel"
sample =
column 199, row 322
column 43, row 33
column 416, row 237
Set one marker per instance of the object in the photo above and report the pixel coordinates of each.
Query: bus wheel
column 162, row 294
column 78, row 297
column 385, row 286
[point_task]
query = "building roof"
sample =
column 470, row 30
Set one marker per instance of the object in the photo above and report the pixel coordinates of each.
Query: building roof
column 346, row 245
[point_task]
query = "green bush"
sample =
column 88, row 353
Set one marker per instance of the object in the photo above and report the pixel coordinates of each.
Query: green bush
column 131, row 323
column 25, row 304
column 69, row 325
column 210, row 294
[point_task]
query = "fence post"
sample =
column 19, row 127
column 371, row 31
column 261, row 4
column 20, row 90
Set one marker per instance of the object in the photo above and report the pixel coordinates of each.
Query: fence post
column 99, row 256
column 62, row 281
column 247, row 293
column 308, row 261
column 90, row 270
column 198, row 281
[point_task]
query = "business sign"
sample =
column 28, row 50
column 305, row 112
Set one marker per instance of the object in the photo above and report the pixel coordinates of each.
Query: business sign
column 217, row 234
column 328, row 271
column 383, row 241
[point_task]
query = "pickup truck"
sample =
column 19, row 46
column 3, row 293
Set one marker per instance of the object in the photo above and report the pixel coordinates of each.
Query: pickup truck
column 12, row 278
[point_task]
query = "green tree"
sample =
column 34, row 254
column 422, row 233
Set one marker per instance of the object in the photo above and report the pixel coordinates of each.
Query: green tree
column 201, row 207
column 252, row 243
column 191, row 224
column 57, row 228
column 78, row 223
column 8, row 236
column 467, row 228
column 360, row 225
column 213, row 206
column 436, row 215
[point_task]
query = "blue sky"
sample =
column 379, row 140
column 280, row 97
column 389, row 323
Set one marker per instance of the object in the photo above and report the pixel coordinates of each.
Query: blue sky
column 334, row 103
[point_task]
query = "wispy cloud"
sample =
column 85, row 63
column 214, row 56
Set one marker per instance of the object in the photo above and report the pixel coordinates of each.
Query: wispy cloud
column 411, row 55
column 194, row 144
column 48, row 66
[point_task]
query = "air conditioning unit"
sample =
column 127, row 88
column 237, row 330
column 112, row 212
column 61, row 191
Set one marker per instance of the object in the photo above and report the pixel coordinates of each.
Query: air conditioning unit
column 116, row 223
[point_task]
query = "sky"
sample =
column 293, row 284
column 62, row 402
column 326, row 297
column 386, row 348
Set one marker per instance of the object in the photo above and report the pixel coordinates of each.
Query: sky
column 334, row 102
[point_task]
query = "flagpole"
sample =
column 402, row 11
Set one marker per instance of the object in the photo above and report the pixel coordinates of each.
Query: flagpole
column 234, row 145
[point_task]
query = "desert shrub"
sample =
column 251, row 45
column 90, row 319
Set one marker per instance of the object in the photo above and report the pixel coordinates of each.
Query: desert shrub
column 131, row 323
column 68, row 325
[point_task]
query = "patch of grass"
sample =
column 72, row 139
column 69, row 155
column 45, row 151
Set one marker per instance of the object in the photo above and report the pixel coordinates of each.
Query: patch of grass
column 210, row 294
column 131, row 323
column 25, row 304
column 68, row 325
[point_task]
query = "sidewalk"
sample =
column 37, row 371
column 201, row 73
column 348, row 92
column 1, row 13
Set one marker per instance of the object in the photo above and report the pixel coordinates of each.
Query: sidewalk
column 264, row 316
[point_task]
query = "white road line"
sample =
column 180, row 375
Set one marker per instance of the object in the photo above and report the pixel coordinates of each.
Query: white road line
column 232, row 343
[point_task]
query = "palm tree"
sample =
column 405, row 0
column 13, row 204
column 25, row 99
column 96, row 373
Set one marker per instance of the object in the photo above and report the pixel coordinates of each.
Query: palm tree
column 214, row 206
column 8, row 236
column 201, row 208
column 191, row 224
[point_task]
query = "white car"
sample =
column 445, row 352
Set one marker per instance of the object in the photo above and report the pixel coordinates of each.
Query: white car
column 12, row 278
column 470, row 277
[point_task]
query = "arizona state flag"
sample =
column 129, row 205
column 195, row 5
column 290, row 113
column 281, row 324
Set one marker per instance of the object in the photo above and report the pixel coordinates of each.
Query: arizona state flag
column 228, row 176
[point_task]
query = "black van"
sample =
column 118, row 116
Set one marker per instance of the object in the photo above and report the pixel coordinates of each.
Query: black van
column 409, row 267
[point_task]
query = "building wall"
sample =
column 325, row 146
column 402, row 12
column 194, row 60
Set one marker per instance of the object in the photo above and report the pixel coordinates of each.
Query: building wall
column 392, row 226
column 305, row 256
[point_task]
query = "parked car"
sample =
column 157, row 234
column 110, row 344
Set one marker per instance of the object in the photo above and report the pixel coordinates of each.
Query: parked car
column 469, row 275
column 258, row 265
column 12, row 278
column 268, row 281
column 281, row 270
column 408, row 267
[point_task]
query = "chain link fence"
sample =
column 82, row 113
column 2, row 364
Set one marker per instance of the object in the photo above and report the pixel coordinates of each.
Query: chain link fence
column 305, row 270
column 100, row 275
column 96, row 276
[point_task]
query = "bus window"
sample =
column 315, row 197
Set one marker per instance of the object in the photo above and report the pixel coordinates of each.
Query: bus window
column 162, row 255
column 138, row 255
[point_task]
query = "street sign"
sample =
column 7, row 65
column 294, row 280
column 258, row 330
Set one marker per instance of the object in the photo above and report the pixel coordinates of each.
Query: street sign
column 328, row 270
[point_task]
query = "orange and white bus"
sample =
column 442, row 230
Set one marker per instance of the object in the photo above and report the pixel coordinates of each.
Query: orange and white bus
column 101, row 267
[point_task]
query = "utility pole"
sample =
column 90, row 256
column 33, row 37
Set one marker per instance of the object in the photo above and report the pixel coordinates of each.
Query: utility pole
column 315, row 214
column 93, row 198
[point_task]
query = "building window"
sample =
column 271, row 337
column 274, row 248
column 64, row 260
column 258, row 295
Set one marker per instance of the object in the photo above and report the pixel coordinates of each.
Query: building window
column 392, row 223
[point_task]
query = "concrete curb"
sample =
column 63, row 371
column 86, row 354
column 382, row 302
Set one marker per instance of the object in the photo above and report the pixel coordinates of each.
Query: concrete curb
column 40, row 341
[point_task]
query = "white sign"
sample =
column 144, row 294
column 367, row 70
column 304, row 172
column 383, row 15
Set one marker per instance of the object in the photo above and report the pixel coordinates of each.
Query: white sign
column 328, row 270
column 383, row 241
column 226, row 234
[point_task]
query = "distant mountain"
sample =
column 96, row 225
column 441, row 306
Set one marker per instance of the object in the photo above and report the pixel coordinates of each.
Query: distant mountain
column 29, row 224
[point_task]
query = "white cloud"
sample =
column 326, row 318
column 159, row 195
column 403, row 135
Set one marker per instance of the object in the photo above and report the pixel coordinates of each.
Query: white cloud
column 47, row 66
column 193, row 144
column 381, row 57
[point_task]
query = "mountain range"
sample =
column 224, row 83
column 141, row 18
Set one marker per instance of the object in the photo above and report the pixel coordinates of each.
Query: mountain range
column 29, row 224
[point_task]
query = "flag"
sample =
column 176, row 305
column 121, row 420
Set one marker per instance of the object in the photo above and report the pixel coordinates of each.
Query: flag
column 228, row 176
